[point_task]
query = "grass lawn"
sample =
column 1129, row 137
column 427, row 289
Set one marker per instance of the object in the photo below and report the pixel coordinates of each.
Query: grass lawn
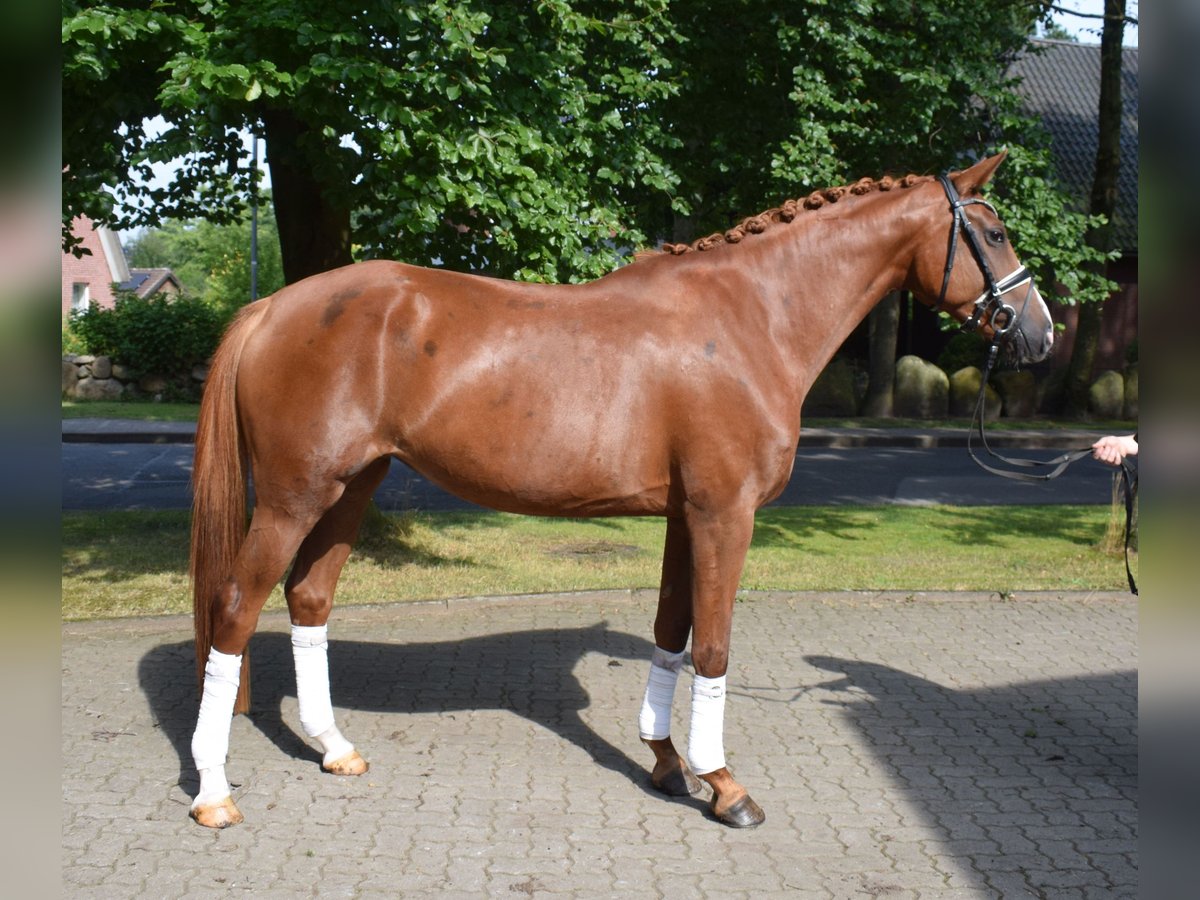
column 135, row 563
column 130, row 409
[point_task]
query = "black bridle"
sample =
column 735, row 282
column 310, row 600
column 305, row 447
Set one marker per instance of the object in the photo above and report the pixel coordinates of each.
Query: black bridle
column 990, row 304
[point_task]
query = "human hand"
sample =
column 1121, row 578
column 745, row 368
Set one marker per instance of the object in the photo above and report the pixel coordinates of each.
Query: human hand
column 1114, row 448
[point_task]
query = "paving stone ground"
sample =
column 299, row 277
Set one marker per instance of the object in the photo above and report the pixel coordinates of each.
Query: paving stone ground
column 902, row 746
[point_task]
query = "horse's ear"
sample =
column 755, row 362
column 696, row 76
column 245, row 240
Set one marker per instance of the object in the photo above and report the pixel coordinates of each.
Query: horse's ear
column 970, row 181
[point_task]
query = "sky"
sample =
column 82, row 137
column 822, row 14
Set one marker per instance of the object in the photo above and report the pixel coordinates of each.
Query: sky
column 1088, row 30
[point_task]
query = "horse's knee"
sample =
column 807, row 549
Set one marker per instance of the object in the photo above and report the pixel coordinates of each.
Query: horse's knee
column 711, row 662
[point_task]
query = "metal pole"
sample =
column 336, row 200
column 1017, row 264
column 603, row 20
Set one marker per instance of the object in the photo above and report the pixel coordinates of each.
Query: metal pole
column 254, row 217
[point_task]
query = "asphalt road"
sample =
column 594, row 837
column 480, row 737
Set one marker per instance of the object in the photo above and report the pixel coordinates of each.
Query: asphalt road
column 156, row 476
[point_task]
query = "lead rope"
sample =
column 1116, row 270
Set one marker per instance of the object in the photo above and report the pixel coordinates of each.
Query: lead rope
column 1057, row 466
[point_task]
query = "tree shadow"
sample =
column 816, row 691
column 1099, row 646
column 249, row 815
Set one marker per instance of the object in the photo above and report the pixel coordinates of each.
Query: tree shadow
column 156, row 542
column 956, row 526
column 528, row 673
column 987, row 525
column 790, row 527
column 1021, row 781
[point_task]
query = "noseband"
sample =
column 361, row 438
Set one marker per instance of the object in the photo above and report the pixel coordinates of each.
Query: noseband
column 1002, row 317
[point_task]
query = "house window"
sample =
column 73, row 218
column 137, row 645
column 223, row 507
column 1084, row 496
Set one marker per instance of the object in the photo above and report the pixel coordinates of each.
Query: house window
column 80, row 295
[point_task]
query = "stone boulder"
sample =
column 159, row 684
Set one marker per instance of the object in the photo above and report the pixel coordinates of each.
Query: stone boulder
column 98, row 389
column 833, row 393
column 1131, row 393
column 964, row 392
column 70, row 376
column 1106, row 396
column 922, row 389
column 1018, row 390
column 102, row 367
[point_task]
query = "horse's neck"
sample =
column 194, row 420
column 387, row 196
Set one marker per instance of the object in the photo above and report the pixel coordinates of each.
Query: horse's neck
column 829, row 273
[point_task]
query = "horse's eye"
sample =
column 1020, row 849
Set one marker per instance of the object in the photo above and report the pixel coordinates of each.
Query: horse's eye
column 995, row 236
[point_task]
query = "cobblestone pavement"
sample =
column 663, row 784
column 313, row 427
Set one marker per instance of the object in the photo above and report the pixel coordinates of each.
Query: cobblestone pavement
column 953, row 745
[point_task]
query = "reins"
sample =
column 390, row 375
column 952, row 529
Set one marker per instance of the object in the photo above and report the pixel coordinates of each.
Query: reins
column 991, row 299
column 1056, row 466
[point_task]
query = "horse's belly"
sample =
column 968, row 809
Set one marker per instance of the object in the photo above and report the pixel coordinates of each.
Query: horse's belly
column 538, row 469
column 542, row 486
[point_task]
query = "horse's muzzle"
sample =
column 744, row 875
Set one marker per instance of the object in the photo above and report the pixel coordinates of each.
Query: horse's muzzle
column 1032, row 336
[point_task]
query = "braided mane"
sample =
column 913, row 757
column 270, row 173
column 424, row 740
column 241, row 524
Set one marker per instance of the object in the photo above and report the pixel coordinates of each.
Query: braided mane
column 786, row 213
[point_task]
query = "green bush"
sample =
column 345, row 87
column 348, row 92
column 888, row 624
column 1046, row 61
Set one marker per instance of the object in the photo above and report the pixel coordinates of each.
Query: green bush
column 159, row 335
column 962, row 350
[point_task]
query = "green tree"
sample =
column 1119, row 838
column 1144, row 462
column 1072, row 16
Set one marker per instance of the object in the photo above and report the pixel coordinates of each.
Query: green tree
column 776, row 100
column 1102, row 203
column 1052, row 31
column 213, row 261
column 536, row 140
column 508, row 137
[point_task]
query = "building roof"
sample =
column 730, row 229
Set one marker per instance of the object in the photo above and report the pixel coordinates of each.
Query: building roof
column 146, row 282
column 110, row 246
column 1060, row 81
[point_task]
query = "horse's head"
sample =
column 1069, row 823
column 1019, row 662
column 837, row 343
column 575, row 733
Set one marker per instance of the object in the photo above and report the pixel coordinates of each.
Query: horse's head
column 966, row 266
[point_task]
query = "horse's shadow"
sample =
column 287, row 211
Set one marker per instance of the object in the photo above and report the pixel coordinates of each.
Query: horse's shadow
column 514, row 671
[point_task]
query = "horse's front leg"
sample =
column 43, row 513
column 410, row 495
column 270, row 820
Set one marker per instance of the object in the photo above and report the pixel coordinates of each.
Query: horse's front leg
column 672, row 626
column 719, row 545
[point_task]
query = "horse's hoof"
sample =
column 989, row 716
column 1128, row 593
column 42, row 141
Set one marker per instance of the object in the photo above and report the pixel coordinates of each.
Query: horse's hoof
column 217, row 815
column 350, row 764
column 680, row 782
column 743, row 813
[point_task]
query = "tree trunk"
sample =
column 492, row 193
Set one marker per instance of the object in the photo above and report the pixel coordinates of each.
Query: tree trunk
column 883, row 330
column 1103, row 202
column 314, row 231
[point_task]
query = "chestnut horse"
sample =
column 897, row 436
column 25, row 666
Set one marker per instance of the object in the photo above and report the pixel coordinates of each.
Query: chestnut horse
column 670, row 387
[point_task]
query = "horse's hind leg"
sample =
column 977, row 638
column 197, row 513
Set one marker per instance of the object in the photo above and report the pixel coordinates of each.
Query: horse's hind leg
column 672, row 625
column 309, row 591
column 270, row 544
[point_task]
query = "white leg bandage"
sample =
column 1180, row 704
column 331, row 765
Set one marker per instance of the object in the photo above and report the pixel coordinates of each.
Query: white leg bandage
column 654, row 721
column 706, row 744
column 210, row 742
column 310, row 650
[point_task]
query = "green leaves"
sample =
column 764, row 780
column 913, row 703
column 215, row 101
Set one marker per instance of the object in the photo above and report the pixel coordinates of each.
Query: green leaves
column 519, row 139
column 157, row 335
column 542, row 139
column 776, row 100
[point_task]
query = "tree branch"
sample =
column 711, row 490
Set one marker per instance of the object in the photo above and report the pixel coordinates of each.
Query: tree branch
column 1054, row 7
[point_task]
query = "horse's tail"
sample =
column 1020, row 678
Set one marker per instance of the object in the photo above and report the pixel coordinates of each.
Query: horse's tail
column 219, row 490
